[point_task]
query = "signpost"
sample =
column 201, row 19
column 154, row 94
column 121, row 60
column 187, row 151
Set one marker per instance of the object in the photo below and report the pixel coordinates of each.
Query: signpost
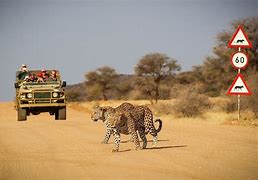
column 239, row 61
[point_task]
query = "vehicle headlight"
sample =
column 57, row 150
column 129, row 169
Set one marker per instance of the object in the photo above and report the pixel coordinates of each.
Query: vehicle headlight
column 29, row 95
column 55, row 94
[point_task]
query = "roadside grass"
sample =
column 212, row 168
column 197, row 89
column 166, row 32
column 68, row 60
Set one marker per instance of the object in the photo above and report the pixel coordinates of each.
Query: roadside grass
column 164, row 109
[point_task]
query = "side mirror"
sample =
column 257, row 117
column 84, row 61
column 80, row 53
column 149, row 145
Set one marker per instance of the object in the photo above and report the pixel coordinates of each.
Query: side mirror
column 16, row 85
column 64, row 84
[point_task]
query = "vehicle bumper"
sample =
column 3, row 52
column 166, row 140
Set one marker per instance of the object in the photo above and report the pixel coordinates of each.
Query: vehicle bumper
column 42, row 105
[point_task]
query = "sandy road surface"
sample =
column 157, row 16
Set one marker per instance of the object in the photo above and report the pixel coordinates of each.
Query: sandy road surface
column 42, row 148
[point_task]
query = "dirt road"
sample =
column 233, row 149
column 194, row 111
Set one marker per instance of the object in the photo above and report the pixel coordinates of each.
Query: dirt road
column 42, row 148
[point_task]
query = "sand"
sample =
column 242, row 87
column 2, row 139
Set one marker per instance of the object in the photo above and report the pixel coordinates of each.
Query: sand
column 42, row 148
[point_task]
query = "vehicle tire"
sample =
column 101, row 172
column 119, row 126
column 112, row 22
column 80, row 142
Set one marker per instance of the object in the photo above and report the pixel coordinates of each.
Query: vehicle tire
column 60, row 114
column 22, row 114
column 56, row 115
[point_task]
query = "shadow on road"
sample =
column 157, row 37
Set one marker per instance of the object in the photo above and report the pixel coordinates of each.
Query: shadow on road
column 159, row 147
column 162, row 140
column 167, row 147
column 121, row 151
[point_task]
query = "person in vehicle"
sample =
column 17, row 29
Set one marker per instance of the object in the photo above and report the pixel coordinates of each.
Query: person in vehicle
column 53, row 76
column 42, row 76
column 30, row 78
column 23, row 72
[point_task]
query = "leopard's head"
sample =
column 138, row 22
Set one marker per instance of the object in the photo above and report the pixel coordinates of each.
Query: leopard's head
column 98, row 113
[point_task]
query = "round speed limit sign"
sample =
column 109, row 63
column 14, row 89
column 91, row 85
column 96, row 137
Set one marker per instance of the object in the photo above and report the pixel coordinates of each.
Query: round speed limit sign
column 239, row 60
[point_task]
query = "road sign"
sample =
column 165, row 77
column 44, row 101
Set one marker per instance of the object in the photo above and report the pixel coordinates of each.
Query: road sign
column 239, row 39
column 239, row 87
column 239, row 60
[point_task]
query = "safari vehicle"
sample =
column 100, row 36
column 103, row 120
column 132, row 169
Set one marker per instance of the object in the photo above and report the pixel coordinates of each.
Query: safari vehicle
column 37, row 97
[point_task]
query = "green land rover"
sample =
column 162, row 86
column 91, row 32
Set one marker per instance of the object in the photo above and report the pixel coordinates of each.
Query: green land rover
column 33, row 97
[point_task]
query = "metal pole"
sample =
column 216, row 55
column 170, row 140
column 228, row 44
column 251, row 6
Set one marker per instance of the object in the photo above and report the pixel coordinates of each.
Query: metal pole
column 238, row 96
column 238, row 102
column 238, row 107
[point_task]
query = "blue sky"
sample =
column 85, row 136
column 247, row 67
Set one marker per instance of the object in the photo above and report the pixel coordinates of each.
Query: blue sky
column 77, row 36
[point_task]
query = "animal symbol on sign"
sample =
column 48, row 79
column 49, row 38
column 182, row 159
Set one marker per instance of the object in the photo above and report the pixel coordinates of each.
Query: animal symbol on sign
column 238, row 87
column 240, row 41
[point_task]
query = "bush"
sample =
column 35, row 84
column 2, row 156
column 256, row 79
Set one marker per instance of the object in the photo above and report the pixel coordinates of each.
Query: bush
column 177, row 89
column 191, row 104
column 247, row 103
column 75, row 93
column 162, row 108
column 73, row 96
column 230, row 105
column 251, row 103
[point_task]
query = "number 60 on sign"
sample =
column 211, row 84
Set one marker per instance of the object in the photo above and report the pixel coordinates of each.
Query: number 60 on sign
column 239, row 60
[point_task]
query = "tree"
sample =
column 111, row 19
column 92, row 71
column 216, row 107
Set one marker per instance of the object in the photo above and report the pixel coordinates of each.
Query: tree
column 75, row 93
column 250, row 26
column 154, row 68
column 100, row 81
column 217, row 72
column 145, row 86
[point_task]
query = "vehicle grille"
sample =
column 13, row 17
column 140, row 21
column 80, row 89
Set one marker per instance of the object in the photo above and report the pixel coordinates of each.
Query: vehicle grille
column 40, row 95
column 42, row 101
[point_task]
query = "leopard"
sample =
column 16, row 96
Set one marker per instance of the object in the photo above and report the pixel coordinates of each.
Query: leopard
column 138, row 119
column 123, row 119
column 141, row 116
column 100, row 113
column 144, row 115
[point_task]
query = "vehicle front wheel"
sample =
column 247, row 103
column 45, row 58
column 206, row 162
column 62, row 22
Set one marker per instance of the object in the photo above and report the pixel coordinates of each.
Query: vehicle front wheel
column 22, row 114
column 60, row 114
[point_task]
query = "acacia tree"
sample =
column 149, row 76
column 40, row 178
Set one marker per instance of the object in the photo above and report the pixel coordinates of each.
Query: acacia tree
column 98, row 82
column 154, row 68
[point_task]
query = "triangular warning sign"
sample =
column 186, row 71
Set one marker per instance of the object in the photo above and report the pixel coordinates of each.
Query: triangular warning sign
column 239, row 39
column 239, row 87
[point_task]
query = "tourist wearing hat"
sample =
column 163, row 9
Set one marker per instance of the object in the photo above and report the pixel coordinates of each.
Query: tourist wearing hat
column 23, row 72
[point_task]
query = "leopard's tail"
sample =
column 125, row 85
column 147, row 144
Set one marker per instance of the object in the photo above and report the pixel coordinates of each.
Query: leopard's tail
column 160, row 125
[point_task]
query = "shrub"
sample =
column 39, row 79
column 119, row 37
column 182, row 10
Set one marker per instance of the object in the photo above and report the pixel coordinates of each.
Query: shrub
column 75, row 93
column 230, row 105
column 162, row 108
column 191, row 104
column 251, row 103
column 175, row 90
column 73, row 96
column 247, row 103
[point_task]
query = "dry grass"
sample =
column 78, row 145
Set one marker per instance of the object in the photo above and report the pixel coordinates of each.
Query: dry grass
column 164, row 110
column 88, row 106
